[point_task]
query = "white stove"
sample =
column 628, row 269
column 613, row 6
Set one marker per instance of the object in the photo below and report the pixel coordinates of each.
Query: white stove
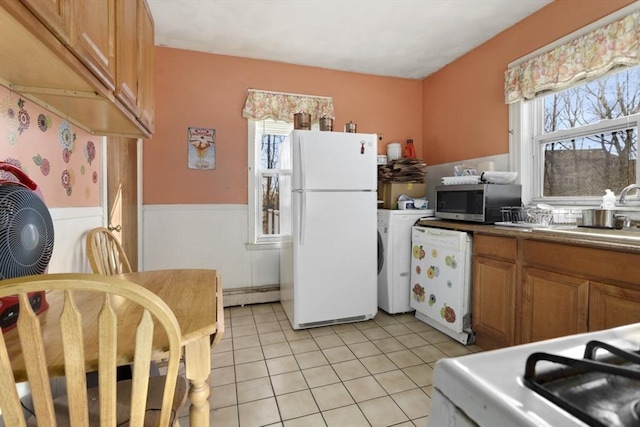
column 488, row 388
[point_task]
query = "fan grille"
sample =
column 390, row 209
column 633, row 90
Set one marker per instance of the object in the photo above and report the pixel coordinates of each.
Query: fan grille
column 26, row 232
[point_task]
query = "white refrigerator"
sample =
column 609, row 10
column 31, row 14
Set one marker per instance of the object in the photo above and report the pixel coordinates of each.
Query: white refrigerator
column 328, row 266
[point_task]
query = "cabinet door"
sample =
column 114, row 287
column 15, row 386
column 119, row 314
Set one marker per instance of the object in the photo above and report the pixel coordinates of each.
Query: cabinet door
column 553, row 305
column 55, row 14
column 494, row 301
column 611, row 306
column 146, row 67
column 94, row 38
column 127, row 52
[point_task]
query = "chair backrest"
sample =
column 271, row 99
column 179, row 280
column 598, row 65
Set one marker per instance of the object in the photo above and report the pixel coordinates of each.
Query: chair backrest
column 105, row 253
column 93, row 323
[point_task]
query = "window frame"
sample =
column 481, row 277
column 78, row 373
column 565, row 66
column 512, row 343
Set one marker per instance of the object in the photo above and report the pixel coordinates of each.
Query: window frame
column 526, row 150
column 256, row 239
column 522, row 157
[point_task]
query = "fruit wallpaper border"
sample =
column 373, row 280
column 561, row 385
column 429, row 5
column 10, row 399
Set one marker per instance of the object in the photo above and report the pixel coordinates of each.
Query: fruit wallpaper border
column 62, row 159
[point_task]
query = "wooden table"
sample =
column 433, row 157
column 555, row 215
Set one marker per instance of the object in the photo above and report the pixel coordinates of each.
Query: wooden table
column 194, row 296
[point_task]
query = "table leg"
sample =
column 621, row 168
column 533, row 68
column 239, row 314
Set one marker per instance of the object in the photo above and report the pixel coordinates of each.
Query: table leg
column 197, row 359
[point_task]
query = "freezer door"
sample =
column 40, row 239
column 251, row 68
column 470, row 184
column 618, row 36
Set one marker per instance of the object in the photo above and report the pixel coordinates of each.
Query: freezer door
column 334, row 161
column 334, row 256
column 441, row 275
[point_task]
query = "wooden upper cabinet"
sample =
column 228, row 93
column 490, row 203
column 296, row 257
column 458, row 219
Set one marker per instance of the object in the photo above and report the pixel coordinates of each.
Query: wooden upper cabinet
column 127, row 51
column 94, row 38
column 55, row 14
column 83, row 59
column 146, row 66
column 135, row 53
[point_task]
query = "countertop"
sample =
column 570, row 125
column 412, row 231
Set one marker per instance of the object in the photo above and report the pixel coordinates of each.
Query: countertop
column 580, row 236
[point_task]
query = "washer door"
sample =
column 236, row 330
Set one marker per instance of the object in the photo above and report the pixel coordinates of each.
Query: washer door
column 380, row 253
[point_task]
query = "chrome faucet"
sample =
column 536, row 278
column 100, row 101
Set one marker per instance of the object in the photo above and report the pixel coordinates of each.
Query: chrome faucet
column 625, row 190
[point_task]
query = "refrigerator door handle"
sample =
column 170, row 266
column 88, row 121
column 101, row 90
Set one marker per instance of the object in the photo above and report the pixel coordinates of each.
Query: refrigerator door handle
column 302, row 215
column 303, row 174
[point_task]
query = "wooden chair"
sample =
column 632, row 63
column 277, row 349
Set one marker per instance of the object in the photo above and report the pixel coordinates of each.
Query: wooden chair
column 78, row 339
column 105, row 253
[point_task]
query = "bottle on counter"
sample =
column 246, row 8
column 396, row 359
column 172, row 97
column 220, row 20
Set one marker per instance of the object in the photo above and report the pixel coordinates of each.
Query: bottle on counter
column 410, row 150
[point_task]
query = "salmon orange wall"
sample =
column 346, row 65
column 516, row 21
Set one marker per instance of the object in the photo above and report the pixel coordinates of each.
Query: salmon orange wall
column 464, row 114
column 194, row 89
column 63, row 160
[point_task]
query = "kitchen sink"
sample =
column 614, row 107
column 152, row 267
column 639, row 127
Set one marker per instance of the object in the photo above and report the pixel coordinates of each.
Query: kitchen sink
column 627, row 234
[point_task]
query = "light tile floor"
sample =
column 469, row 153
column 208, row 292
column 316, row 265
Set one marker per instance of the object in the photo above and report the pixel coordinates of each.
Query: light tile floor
column 373, row 373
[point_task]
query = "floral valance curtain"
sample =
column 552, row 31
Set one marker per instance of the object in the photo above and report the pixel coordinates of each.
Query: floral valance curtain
column 590, row 55
column 262, row 105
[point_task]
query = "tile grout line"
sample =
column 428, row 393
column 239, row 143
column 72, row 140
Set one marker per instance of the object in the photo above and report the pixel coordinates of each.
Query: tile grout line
column 384, row 322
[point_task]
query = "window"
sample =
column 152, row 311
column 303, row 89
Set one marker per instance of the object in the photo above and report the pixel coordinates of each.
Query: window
column 574, row 114
column 269, row 169
column 267, row 147
column 586, row 138
column 268, row 117
column 580, row 141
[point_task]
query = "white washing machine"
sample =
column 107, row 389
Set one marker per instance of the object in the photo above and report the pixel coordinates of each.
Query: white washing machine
column 394, row 257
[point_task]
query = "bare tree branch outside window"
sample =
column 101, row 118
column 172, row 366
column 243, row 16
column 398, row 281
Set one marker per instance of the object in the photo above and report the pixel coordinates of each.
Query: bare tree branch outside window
column 586, row 164
column 270, row 151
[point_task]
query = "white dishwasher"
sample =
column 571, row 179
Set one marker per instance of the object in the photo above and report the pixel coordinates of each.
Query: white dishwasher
column 441, row 280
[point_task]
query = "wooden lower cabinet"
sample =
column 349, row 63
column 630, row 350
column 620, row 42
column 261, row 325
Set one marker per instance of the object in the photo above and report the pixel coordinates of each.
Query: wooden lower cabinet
column 611, row 306
column 494, row 302
column 553, row 305
column 526, row 290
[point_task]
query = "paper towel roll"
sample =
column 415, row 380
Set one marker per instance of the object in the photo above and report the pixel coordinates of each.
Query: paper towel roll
column 393, row 151
column 486, row 166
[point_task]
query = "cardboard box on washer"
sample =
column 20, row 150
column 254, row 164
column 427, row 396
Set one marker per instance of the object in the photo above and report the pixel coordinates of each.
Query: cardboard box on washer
column 389, row 192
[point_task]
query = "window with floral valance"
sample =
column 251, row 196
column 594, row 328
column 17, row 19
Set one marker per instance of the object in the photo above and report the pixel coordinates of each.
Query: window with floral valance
column 574, row 114
column 270, row 121
column 588, row 56
column 261, row 105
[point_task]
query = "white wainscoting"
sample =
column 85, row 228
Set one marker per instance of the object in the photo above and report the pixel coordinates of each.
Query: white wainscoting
column 211, row 236
column 70, row 227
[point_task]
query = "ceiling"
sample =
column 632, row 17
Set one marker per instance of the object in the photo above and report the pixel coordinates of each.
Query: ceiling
column 398, row 38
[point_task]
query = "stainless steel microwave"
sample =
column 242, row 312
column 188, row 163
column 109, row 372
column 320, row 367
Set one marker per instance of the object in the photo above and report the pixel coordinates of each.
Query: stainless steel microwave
column 476, row 202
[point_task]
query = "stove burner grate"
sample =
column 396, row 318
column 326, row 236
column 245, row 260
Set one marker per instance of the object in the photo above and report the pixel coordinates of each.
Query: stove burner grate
column 600, row 392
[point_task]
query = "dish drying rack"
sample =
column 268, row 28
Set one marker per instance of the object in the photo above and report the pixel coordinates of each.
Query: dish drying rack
column 536, row 217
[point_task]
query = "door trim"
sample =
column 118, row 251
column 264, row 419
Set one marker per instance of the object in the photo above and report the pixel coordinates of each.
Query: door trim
column 104, row 201
column 139, row 148
column 104, row 197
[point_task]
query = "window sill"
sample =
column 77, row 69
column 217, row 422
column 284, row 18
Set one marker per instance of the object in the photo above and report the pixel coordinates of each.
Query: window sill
column 259, row 246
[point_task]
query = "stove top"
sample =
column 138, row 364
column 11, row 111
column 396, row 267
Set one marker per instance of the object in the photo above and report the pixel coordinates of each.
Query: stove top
column 494, row 387
column 603, row 390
